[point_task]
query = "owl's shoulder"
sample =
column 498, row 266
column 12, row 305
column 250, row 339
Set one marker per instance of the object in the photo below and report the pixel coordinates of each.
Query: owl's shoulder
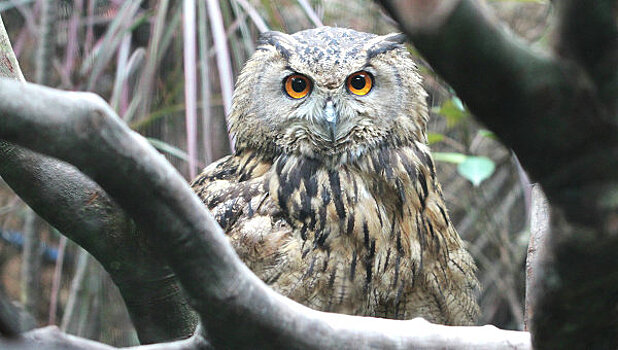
column 235, row 190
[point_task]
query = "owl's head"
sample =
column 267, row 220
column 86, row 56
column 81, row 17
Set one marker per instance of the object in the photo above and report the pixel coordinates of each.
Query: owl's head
column 328, row 93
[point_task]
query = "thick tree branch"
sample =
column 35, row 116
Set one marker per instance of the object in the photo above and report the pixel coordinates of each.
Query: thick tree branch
column 237, row 309
column 533, row 100
column 51, row 338
column 588, row 34
column 557, row 110
column 79, row 208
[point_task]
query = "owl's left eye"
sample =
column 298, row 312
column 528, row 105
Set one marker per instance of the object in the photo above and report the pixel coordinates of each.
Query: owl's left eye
column 297, row 86
column 360, row 83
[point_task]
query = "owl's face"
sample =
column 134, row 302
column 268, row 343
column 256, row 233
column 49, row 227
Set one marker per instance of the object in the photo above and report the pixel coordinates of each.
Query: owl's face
column 328, row 93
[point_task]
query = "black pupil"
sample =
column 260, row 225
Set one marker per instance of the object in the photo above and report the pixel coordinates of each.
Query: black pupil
column 358, row 81
column 299, row 84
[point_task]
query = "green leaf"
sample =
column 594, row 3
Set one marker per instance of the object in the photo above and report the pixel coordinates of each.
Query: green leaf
column 488, row 134
column 453, row 110
column 476, row 169
column 167, row 148
column 449, row 157
column 433, row 137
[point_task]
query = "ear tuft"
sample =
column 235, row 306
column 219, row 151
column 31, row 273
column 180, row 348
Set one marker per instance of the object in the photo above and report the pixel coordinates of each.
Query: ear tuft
column 385, row 43
column 398, row 38
column 277, row 39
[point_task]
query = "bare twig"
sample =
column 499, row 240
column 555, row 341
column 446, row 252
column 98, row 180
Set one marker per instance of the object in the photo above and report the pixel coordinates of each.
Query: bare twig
column 205, row 81
column 31, row 262
column 310, row 13
column 55, row 289
column 226, row 77
column 539, row 227
column 190, row 71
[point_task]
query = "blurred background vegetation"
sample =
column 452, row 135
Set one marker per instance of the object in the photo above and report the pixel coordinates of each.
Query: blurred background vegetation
column 168, row 69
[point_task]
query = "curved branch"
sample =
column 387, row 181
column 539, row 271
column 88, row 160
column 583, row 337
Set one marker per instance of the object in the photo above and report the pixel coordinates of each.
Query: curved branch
column 588, row 34
column 557, row 110
column 533, row 100
column 51, row 338
column 83, row 211
column 238, row 310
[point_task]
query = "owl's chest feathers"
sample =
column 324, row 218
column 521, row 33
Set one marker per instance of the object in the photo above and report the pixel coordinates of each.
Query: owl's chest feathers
column 368, row 215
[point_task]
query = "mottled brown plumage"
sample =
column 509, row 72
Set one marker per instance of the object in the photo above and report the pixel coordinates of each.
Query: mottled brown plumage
column 332, row 199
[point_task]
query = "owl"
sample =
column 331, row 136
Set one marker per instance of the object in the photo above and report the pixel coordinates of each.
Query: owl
column 331, row 196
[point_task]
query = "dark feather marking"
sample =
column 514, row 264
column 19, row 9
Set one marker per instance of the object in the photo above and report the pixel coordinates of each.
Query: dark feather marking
column 408, row 165
column 279, row 165
column 398, row 296
column 366, row 234
column 390, row 43
column 331, row 279
column 335, row 185
column 244, row 174
column 250, row 211
column 307, row 170
column 383, row 163
column 353, row 265
column 321, row 238
column 322, row 208
column 435, row 237
column 309, row 271
column 443, row 212
column 229, row 216
column 303, row 232
column 273, row 279
column 342, row 293
column 399, row 245
column 369, row 264
column 402, row 196
column 273, row 38
column 304, row 211
column 432, row 168
column 420, row 231
column 422, row 196
column 397, row 263
column 375, row 199
column 459, row 267
column 388, row 255
column 350, row 225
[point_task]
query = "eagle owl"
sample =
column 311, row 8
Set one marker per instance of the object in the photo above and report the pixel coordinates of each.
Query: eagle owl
column 331, row 196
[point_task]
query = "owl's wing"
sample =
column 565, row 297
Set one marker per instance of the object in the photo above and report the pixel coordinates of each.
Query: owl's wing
column 235, row 189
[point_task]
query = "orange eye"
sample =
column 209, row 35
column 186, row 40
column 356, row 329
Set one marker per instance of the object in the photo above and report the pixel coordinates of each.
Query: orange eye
column 297, row 86
column 360, row 83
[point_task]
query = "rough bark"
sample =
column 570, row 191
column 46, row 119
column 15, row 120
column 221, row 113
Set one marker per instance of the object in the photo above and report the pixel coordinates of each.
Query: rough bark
column 557, row 109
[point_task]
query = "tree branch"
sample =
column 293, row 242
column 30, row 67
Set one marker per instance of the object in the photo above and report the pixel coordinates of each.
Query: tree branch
column 51, row 338
column 533, row 100
column 83, row 211
column 587, row 33
column 238, row 310
column 557, row 110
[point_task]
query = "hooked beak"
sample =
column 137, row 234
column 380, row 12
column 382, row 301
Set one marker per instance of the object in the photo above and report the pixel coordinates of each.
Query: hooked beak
column 330, row 116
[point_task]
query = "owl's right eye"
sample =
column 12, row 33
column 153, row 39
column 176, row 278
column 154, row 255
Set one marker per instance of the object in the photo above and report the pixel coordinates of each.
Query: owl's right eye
column 297, row 86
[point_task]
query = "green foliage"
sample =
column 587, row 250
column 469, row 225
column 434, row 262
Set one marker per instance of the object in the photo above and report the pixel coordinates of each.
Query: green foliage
column 434, row 137
column 488, row 133
column 475, row 169
column 453, row 110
